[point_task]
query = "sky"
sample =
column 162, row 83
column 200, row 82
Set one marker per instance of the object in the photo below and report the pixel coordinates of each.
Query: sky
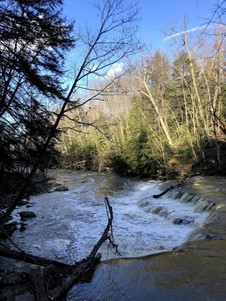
column 157, row 16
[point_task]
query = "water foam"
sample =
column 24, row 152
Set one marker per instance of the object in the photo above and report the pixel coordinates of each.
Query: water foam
column 69, row 223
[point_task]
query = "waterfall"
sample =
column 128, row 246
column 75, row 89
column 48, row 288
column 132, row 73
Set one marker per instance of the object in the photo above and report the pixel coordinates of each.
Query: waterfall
column 68, row 223
column 201, row 204
column 178, row 206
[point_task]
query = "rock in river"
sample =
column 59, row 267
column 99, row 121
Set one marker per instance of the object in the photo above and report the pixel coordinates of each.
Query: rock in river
column 27, row 214
column 61, row 188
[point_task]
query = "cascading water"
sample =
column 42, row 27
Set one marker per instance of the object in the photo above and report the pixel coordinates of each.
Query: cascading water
column 69, row 223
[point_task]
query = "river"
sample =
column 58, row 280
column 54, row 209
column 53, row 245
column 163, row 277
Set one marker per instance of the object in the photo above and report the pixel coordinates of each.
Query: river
column 172, row 248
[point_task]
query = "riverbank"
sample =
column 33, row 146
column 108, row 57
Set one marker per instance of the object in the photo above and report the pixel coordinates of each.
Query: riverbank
column 40, row 184
column 12, row 184
column 176, row 163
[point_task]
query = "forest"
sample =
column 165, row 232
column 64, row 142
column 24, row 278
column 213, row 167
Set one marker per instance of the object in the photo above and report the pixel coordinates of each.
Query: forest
column 121, row 106
column 168, row 119
column 162, row 116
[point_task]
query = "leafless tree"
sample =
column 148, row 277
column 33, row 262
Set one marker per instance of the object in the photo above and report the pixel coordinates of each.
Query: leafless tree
column 103, row 48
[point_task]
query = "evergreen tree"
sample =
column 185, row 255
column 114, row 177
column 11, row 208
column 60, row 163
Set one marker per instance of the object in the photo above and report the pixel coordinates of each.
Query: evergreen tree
column 33, row 39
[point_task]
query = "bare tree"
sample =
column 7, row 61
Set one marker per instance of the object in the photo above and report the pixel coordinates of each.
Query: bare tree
column 112, row 41
column 154, row 72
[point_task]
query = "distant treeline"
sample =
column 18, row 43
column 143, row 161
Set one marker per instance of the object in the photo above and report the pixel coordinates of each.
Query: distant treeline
column 167, row 117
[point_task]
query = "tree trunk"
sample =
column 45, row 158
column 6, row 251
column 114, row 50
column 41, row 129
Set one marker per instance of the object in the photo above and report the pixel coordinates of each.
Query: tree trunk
column 158, row 113
column 22, row 256
column 57, row 278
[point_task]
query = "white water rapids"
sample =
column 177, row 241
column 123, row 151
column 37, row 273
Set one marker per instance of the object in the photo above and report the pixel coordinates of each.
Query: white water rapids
column 69, row 223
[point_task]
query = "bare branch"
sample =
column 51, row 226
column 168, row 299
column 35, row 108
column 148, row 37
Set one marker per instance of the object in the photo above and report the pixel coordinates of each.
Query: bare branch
column 117, row 26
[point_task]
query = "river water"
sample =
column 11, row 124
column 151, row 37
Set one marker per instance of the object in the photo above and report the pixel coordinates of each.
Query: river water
column 69, row 223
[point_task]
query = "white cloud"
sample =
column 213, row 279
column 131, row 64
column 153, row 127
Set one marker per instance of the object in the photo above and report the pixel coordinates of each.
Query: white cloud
column 197, row 28
column 115, row 70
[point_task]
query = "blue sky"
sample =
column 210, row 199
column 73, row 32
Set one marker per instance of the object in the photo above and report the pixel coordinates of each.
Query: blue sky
column 156, row 15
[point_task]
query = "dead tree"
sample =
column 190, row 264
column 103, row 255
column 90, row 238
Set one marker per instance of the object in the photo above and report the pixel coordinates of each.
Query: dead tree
column 114, row 40
column 156, row 196
column 57, row 278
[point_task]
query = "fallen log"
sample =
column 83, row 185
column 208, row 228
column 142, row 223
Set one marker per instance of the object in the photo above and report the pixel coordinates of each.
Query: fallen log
column 87, row 265
column 156, row 196
column 83, row 272
column 37, row 282
column 106, row 235
column 57, row 278
column 22, row 256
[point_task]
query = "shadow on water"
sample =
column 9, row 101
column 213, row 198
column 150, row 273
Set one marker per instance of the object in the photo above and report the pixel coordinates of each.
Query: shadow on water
column 196, row 271
column 102, row 184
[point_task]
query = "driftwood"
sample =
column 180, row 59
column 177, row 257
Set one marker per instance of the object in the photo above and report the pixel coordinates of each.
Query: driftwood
column 57, row 278
column 106, row 235
column 22, row 256
column 82, row 272
column 38, row 285
column 156, row 196
column 87, row 266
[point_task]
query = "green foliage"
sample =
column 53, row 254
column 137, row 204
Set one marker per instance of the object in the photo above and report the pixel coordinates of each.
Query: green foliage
column 34, row 37
column 80, row 156
column 211, row 157
column 137, row 151
column 137, row 143
column 119, row 164
column 184, row 152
